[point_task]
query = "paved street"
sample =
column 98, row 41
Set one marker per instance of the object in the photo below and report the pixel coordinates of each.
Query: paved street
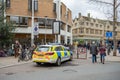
column 78, row 69
column 74, row 70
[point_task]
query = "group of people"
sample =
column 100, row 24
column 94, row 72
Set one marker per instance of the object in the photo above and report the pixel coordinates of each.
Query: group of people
column 94, row 50
column 22, row 52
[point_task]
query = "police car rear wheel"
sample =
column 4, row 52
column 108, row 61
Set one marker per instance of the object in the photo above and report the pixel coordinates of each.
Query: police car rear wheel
column 38, row 63
column 58, row 63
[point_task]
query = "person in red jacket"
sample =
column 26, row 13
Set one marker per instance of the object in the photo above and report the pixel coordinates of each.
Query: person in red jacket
column 102, row 51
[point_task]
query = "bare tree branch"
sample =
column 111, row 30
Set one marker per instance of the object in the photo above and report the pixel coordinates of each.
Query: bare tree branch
column 102, row 2
column 117, row 6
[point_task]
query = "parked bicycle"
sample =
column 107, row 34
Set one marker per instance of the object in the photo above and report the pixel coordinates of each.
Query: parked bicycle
column 25, row 55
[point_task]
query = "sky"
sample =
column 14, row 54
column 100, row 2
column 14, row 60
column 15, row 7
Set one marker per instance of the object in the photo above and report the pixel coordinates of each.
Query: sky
column 85, row 6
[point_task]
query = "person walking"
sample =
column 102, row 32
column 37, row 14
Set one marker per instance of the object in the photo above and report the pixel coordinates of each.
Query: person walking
column 93, row 51
column 109, row 48
column 17, row 48
column 102, row 51
column 119, row 48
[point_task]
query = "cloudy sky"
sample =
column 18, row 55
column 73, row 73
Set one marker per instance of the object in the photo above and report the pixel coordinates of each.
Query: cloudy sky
column 84, row 7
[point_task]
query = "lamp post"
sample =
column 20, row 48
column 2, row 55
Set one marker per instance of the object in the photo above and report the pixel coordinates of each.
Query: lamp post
column 32, row 28
column 45, row 27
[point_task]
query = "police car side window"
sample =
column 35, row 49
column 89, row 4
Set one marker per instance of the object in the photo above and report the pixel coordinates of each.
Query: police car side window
column 58, row 49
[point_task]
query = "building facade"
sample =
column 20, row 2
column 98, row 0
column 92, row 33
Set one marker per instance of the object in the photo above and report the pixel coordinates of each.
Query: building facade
column 45, row 13
column 86, row 29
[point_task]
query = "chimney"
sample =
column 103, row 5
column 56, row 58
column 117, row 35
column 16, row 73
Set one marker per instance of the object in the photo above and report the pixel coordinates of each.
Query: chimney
column 79, row 15
column 88, row 15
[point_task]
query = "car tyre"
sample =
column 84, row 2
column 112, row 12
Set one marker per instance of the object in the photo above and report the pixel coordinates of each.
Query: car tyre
column 58, row 62
column 38, row 63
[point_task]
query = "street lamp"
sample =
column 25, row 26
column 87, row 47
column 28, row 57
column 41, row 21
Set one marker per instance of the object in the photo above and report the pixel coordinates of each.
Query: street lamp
column 45, row 27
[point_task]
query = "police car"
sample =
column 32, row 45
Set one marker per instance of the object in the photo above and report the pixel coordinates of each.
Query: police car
column 51, row 54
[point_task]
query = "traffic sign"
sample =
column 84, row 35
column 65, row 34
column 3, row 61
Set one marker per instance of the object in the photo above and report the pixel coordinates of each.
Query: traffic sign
column 108, row 34
column 36, row 29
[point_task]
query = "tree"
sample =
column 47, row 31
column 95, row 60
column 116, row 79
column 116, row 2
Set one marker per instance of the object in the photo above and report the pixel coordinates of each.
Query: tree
column 115, row 4
column 6, row 29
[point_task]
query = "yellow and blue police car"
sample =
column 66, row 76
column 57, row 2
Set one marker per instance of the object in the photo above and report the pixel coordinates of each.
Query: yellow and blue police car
column 51, row 54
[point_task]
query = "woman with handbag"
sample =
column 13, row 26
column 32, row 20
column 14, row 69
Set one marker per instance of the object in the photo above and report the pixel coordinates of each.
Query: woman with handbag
column 102, row 51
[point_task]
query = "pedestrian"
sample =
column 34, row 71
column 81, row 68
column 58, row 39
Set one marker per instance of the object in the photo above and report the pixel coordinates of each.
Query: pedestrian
column 93, row 51
column 17, row 48
column 32, row 48
column 109, row 48
column 119, row 48
column 102, row 51
column 88, row 46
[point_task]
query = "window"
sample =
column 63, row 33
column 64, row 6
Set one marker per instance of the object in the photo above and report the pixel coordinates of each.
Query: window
column 23, row 20
column 8, row 3
column 81, row 23
column 87, row 23
column 58, row 49
column 96, row 25
column 54, row 7
column 19, row 20
column 96, row 32
column 35, row 5
column 91, row 24
column 92, row 31
column 100, row 26
column 69, row 29
column 81, row 30
column 108, row 27
column 30, row 5
column 1, row 10
column 42, row 48
column 1, row 3
column 87, row 30
column 14, row 19
column 101, row 32
column 61, row 10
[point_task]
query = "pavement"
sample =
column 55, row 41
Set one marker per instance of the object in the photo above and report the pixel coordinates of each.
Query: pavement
column 12, row 61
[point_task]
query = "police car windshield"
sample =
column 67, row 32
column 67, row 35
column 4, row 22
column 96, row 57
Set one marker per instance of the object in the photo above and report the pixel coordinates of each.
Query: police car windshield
column 42, row 48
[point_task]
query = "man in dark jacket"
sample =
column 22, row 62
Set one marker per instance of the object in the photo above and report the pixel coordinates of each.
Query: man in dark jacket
column 94, row 52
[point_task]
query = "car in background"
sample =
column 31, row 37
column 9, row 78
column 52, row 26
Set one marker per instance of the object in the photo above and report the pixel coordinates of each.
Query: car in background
column 54, row 43
column 51, row 54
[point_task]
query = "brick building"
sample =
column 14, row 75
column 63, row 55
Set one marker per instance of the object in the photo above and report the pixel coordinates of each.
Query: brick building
column 20, row 13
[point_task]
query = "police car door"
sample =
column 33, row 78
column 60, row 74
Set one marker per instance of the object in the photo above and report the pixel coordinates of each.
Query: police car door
column 66, row 53
column 60, row 52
